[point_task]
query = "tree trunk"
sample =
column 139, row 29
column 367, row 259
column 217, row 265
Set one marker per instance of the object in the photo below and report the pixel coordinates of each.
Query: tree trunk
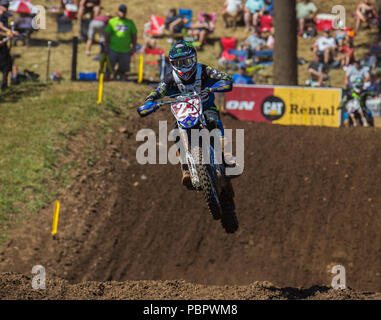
column 286, row 43
column 377, row 4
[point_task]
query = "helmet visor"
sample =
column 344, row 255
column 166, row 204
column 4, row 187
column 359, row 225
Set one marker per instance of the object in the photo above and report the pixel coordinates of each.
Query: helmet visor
column 184, row 62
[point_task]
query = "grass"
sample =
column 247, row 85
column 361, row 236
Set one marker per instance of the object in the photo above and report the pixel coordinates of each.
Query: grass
column 35, row 132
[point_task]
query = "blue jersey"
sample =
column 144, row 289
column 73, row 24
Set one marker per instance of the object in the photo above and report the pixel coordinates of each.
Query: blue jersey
column 209, row 76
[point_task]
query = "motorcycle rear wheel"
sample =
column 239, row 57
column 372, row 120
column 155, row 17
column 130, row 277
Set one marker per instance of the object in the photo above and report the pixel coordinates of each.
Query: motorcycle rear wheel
column 229, row 219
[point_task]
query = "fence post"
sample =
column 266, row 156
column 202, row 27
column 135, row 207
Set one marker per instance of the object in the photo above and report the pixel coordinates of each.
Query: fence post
column 74, row 59
column 141, row 65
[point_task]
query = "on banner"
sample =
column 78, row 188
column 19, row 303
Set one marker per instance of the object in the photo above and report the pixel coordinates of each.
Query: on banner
column 285, row 105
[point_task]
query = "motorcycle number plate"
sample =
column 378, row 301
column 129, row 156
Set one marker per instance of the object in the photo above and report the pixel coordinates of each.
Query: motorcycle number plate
column 187, row 108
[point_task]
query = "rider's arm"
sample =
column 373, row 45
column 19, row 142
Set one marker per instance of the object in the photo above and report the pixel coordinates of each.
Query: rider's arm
column 4, row 28
column 160, row 92
column 220, row 76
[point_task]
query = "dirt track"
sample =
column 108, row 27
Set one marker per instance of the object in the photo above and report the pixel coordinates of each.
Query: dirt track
column 308, row 200
column 15, row 286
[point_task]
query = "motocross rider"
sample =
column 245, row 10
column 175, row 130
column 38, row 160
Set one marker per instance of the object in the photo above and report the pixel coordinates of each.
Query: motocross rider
column 357, row 92
column 186, row 75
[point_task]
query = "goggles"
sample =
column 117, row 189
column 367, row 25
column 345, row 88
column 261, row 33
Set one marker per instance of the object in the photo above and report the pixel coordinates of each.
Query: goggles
column 184, row 63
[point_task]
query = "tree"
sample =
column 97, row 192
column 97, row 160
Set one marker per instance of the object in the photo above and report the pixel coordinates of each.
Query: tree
column 286, row 43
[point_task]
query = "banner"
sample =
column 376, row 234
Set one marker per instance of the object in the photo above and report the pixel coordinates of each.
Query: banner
column 285, row 105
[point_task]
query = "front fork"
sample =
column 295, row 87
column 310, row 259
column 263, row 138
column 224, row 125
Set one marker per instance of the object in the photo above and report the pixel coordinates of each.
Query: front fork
column 188, row 162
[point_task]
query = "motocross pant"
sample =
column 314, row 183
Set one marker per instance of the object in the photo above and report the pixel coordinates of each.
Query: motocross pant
column 212, row 117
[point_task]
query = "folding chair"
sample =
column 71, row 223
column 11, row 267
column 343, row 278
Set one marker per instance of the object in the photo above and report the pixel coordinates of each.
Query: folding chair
column 240, row 55
column 212, row 15
column 261, row 54
column 159, row 53
column 155, row 27
column 186, row 13
column 266, row 23
column 227, row 58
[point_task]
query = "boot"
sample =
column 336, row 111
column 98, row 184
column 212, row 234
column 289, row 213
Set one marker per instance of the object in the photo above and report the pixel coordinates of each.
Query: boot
column 186, row 179
column 228, row 158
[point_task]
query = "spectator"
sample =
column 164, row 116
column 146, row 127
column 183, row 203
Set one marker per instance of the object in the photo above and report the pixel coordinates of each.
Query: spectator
column 306, row 12
column 254, row 42
column 174, row 22
column 241, row 77
column 355, row 71
column 97, row 25
column 270, row 9
column 375, row 86
column 88, row 6
column 317, row 71
column 325, row 47
column 341, row 34
column 233, row 9
column 373, row 57
column 347, row 53
column 270, row 40
column 121, row 39
column 6, row 61
column 63, row 3
column 202, row 29
column 23, row 25
column 254, row 9
column 365, row 12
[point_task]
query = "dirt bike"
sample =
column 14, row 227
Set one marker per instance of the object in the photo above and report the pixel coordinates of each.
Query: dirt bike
column 207, row 175
column 352, row 104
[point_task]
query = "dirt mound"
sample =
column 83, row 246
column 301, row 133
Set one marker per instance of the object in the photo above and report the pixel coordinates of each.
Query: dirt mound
column 308, row 200
column 16, row 286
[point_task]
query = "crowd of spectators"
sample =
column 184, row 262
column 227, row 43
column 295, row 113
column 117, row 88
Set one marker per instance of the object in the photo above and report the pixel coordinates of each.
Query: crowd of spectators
column 332, row 47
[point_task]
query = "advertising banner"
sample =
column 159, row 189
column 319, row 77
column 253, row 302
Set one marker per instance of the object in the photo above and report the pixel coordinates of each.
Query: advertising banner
column 285, row 105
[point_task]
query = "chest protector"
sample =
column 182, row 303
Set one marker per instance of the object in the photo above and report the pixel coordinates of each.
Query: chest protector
column 195, row 86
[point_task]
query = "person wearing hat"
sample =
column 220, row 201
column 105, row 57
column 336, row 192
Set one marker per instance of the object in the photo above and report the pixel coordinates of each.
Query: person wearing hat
column 356, row 71
column 325, row 46
column 121, row 40
column 241, row 77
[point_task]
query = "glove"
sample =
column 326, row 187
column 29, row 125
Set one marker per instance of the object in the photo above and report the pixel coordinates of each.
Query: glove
column 147, row 108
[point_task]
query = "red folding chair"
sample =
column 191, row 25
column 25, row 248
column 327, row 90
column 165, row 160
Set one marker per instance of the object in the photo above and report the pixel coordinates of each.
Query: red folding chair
column 324, row 21
column 153, row 52
column 228, row 44
column 155, row 27
column 266, row 23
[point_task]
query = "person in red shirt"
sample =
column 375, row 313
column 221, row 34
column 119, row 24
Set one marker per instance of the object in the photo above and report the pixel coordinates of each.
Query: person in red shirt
column 88, row 6
column 97, row 25
column 347, row 53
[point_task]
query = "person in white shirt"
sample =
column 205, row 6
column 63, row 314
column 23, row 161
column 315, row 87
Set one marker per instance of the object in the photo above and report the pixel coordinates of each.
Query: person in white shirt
column 356, row 71
column 325, row 46
column 232, row 10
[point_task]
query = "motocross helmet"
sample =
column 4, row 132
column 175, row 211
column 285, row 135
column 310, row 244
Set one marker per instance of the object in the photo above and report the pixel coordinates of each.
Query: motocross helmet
column 358, row 84
column 183, row 59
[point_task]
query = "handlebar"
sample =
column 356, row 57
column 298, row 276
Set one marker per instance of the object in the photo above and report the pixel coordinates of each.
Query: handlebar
column 151, row 106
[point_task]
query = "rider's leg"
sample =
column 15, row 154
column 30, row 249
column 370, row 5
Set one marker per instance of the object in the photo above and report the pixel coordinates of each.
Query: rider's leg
column 214, row 122
column 363, row 119
column 354, row 121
